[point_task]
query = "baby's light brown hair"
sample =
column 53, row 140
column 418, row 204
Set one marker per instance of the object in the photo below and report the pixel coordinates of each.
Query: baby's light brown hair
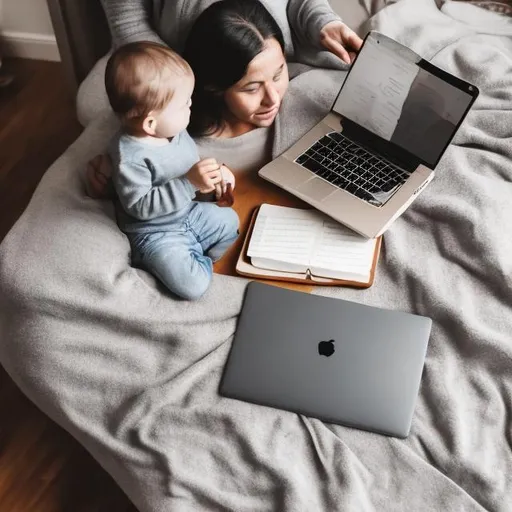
column 141, row 78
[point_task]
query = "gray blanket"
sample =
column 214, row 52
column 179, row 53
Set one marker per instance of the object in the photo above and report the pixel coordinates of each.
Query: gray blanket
column 133, row 374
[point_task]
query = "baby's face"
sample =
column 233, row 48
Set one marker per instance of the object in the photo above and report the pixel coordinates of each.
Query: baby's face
column 174, row 118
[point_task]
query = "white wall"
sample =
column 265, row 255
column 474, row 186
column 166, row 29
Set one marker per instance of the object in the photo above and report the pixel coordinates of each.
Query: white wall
column 26, row 29
column 26, row 16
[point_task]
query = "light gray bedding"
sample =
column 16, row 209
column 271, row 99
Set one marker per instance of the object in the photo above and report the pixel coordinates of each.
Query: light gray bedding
column 133, row 373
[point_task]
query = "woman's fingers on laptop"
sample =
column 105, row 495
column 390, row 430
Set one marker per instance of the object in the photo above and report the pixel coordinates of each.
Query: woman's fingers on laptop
column 338, row 50
column 341, row 40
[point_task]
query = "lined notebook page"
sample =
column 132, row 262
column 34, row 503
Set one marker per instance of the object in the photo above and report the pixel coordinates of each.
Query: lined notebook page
column 284, row 234
column 312, row 240
column 341, row 250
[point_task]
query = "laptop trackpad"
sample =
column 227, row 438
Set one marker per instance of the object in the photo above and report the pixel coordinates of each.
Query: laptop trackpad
column 316, row 189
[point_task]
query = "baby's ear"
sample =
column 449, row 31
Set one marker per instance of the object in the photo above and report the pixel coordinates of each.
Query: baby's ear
column 149, row 125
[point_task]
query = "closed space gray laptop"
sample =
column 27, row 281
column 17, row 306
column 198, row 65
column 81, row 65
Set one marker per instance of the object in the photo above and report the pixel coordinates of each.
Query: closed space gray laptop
column 336, row 360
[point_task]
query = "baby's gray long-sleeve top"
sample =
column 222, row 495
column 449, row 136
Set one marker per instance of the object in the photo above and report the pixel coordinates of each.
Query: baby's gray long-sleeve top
column 170, row 20
column 152, row 190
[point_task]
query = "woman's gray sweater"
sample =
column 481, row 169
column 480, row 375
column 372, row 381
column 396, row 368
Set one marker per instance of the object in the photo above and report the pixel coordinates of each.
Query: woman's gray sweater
column 164, row 20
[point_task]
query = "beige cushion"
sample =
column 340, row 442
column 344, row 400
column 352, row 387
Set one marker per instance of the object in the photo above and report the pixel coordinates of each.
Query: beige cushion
column 91, row 100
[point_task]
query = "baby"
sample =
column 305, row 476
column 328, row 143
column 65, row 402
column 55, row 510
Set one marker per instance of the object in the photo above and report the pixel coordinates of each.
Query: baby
column 157, row 171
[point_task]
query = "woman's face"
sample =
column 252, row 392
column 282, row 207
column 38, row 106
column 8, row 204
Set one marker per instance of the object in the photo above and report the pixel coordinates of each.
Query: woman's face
column 254, row 100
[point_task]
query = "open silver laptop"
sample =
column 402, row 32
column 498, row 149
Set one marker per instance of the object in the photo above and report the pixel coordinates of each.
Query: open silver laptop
column 377, row 149
column 339, row 361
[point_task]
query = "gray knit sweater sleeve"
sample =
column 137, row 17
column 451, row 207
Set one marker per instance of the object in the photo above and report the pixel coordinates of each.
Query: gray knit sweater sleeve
column 130, row 20
column 169, row 20
column 307, row 17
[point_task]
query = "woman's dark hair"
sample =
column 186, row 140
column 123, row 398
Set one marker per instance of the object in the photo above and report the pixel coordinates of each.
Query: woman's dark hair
column 222, row 42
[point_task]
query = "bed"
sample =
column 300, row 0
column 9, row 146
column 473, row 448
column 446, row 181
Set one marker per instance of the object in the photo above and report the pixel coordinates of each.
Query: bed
column 133, row 374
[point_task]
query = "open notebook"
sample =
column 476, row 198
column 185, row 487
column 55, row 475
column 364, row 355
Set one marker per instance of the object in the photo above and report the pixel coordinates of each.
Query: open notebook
column 309, row 245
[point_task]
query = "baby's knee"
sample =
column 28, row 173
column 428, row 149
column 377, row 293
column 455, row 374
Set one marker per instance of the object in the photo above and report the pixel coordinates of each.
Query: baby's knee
column 193, row 284
column 194, row 290
column 231, row 221
column 184, row 272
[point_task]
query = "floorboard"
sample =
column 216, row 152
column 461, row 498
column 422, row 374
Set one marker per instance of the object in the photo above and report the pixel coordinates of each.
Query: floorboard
column 42, row 468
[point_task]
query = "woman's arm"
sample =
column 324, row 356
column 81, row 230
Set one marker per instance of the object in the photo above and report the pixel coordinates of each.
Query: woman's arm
column 130, row 20
column 308, row 17
column 314, row 22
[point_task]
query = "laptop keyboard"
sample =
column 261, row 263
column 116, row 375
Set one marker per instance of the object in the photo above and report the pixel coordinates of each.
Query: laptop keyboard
column 349, row 166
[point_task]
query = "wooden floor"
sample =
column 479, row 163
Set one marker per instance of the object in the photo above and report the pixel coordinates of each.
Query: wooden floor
column 42, row 468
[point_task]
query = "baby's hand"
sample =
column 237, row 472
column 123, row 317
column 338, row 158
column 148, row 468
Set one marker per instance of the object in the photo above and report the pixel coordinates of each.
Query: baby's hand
column 98, row 176
column 205, row 174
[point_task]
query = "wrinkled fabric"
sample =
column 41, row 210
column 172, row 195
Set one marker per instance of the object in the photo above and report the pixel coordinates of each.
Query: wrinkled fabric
column 133, row 374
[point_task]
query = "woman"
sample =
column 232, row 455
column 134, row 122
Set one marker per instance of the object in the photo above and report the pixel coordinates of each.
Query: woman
column 312, row 22
column 237, row 51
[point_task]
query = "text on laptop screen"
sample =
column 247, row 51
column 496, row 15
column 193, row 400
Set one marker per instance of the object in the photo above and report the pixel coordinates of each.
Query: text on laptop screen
column 390, row 95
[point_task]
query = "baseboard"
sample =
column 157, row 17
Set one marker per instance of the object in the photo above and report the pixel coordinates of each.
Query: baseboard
column 29, row 46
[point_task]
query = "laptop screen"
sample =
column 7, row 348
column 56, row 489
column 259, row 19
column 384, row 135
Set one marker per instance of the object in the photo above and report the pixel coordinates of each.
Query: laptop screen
column 395, row 94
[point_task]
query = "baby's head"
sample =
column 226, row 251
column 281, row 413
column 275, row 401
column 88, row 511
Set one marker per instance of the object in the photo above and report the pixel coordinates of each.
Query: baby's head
column 149, row 87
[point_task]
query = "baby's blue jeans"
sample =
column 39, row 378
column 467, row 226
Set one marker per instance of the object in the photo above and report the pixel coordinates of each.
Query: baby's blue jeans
column 181, row 256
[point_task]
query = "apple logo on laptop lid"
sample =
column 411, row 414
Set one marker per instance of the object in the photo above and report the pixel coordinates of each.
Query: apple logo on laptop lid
column 326, row 348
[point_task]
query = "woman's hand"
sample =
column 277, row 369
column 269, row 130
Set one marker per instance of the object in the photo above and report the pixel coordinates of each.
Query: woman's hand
column 341, row 40
column 224, row 189
column 204, row 175
column 228, row 178
column 98, row 177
